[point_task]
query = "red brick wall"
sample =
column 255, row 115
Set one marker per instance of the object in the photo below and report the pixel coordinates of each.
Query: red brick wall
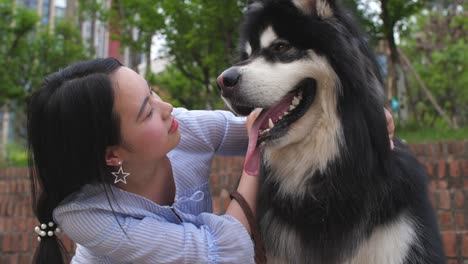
column 447, row 165
column 446, row 162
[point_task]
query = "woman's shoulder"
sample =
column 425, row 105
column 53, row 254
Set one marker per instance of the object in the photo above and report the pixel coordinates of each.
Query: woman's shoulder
column 87, row 193
column 102, row 200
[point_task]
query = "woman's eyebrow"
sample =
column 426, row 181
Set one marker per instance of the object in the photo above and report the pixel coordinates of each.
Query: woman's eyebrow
column 142, row 107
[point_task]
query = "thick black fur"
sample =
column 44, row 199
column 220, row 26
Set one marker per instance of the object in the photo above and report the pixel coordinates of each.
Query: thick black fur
column 369, row 185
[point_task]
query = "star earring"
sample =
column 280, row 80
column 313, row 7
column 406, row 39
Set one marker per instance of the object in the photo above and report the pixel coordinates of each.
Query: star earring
column 120, row 175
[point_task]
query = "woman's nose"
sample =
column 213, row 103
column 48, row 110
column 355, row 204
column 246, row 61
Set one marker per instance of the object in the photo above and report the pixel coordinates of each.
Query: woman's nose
column 166, row 109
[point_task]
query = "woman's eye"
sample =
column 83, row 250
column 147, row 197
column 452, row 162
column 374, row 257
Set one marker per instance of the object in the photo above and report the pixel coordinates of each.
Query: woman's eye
column 150, row 114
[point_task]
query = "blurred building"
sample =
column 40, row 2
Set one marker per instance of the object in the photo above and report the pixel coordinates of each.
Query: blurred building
column 48, row 10
column 95, row 33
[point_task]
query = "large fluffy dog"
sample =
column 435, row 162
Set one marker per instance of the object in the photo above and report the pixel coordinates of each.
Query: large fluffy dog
column 331, row 190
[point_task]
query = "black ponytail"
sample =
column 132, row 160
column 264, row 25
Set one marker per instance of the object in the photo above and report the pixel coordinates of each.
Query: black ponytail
column 70, row 124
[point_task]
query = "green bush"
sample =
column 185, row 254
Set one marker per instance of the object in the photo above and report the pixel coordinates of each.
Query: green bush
column 16, row 156
column 416, row 132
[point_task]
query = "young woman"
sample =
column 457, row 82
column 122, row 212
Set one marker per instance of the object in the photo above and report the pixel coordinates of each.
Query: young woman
column 103, row 158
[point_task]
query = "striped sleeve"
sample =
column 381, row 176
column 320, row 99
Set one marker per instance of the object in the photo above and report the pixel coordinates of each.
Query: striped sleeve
column 220, row 131
column 221, row 239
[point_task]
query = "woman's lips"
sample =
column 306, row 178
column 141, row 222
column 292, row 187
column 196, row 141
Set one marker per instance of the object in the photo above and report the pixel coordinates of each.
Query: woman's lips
column 174, row 126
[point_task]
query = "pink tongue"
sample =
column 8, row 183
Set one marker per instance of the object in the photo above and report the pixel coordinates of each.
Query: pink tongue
column 252, row 158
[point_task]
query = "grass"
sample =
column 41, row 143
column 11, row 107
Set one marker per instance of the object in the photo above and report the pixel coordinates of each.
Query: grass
column 417, row 134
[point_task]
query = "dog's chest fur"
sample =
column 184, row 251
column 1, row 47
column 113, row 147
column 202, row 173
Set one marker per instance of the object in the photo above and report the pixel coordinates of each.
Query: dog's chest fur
column 386, row 244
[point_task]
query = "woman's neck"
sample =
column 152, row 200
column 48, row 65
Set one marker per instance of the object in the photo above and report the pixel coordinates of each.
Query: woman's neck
column 155, row 183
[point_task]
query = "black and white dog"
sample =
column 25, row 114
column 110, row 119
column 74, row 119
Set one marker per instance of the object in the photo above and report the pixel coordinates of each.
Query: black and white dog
column 331, row 190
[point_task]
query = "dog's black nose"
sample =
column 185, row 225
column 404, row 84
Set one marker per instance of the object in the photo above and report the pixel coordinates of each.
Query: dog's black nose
column 230, row 77
column 227, row 81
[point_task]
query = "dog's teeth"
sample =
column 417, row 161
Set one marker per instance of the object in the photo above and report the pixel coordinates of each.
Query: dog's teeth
column 292, row 107
column 270, row 123
column 286, row 113
column 296, row 101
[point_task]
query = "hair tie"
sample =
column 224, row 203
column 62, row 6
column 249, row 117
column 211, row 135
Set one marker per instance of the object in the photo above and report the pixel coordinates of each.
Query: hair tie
column 46, row 230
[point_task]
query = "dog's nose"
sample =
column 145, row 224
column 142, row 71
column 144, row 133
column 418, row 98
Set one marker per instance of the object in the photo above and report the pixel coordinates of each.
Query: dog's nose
column 230, row 77
column 227, row 81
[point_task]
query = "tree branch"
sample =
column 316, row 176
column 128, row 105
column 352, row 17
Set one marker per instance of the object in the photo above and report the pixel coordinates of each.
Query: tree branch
column 426, row 91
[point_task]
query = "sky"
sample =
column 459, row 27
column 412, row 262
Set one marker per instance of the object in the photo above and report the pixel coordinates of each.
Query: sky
column 61, row 3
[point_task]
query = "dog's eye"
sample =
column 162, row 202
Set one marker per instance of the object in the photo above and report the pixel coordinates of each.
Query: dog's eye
column 244, row 56
column 280, row 47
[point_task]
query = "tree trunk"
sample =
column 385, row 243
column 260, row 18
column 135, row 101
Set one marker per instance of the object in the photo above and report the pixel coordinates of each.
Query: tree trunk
column 71, row 11
column 51, row 15
column 396, row 85
column 5, row 126
column 92, row 40
column 208, row 88
column 39, row 12
column 148, row 69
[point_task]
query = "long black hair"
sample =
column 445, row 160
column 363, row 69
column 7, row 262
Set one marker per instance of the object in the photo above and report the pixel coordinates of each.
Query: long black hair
column 70, row 122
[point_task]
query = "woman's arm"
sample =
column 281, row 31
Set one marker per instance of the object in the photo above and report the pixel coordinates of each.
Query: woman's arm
column 217, row 131
column 248, row 186
column 220, row 239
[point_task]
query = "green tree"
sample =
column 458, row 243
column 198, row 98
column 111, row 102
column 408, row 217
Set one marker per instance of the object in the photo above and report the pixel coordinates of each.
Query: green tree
column 91, row 11
column 52, row 51
column 29, row 53
column 436, row 44
column 15, row 29
column 134, row 23
column 383, row 20
column 201, row 39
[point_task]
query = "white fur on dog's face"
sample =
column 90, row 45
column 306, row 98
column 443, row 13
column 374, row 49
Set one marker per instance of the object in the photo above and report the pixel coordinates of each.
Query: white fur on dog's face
column 264, row 83
column 267, row 38
column 248, row 49
column 319, row 130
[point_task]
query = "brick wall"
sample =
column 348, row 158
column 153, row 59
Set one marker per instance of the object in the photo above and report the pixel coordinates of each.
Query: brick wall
column 446, row 162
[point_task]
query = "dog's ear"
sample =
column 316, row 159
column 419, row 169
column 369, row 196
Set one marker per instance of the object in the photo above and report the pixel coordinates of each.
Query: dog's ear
column 322, row 8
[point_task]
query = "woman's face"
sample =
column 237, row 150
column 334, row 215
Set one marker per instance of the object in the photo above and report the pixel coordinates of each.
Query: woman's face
column 148, row 129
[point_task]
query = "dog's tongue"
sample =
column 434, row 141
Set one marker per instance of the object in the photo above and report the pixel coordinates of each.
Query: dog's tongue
column 252, row 157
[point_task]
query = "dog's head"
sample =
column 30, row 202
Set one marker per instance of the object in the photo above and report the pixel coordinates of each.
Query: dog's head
column 303, row 62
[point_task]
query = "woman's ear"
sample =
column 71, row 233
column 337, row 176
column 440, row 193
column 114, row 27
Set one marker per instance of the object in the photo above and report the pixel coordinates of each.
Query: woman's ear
column 113, row 156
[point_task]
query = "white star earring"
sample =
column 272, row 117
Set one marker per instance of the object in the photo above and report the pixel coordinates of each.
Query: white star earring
column 120, row 175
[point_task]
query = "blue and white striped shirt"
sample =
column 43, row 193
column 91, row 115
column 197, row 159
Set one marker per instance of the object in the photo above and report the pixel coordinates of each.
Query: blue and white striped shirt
column 187, row 231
